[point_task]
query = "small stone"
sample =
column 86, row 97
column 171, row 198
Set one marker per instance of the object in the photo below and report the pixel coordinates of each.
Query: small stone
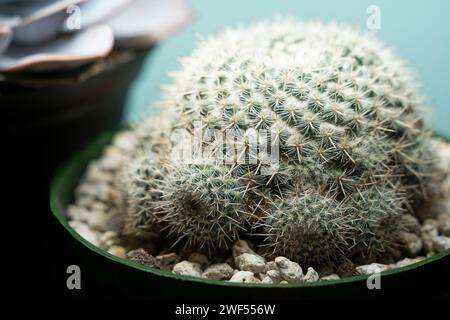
column 94, row 172
column 199, row 258
column 75, row 212
column 250, row 262
column 108, row 239
column 441, row 243
column 429, row 231
column 407, row 261
column 412, row 244
column 94, row 218
column 96, row 190
column 275, row 275
column 244, row 277
column 99, row 207
column 241, row 247
column 432, row 222
column 284, row 282
column 218, row 271
column 187, row 268
column 261, row 276
column 330, row 277
column 112, row 159
column 311, row 275
column 83, row 202
column 125, row 140
column 117, row 251
column 141, row 256
column 444, row 224
column 271, row 265
column 167, row 261
column 372, row 268
column 289, row 270
column 85, row 231
column 267, row 280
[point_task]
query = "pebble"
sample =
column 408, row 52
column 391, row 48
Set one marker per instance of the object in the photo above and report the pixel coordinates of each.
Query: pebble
column 199, row 258
column 241, row 247
column 96, row 219
column 275, row 275
column 141, row 256
column 117, row 251
column 187, row 268
column 168, row 260
column 244, row 277
column 97, row 190
column 289, row 270
column 412, row 243
column 330, row 277
column 372, row 268
column 250, row 262
column 218, row 271
column 311, row 275
column 271, row 265
column 125, row 140
column 112, row 159
column 284, row 282
column 95, row 173
column 407, row 261
column 85, row 231
column 267, row 280
column 108, row 239
column 432, row 222
column 261, row 276
column 441, row 243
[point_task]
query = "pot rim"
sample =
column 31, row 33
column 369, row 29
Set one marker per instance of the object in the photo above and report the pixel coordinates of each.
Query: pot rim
column 82, row 157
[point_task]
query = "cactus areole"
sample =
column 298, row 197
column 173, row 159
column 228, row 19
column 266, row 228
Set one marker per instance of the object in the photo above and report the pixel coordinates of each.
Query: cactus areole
column 341, row 154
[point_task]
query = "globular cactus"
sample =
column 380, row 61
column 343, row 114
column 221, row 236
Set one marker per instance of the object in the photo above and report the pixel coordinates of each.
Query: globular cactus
column 353, row 150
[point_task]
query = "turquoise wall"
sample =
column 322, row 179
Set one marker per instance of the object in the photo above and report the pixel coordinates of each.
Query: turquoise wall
column 419, row 31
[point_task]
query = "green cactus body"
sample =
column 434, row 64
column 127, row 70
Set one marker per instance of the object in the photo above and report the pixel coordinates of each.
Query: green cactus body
column 353, row 150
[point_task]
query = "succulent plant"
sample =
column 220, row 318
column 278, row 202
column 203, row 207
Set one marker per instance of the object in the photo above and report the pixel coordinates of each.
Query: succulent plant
column 54, row 34
column 353, row 149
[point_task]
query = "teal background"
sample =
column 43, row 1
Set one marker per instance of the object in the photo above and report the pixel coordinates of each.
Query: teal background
column 418, row 31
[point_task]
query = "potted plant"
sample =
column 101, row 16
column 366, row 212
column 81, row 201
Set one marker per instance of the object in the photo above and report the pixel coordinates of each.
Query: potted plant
column 66, row 66
column 290, row 161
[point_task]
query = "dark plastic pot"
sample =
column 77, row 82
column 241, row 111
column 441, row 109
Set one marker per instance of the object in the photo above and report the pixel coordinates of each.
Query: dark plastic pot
column 427, row 278
column 55, row 114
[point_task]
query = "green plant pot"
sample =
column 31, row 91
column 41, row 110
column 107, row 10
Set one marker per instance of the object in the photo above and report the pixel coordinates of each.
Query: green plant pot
column 426, row 278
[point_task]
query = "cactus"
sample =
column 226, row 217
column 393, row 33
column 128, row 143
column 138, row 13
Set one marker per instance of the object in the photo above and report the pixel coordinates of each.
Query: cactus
column 353, row 148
